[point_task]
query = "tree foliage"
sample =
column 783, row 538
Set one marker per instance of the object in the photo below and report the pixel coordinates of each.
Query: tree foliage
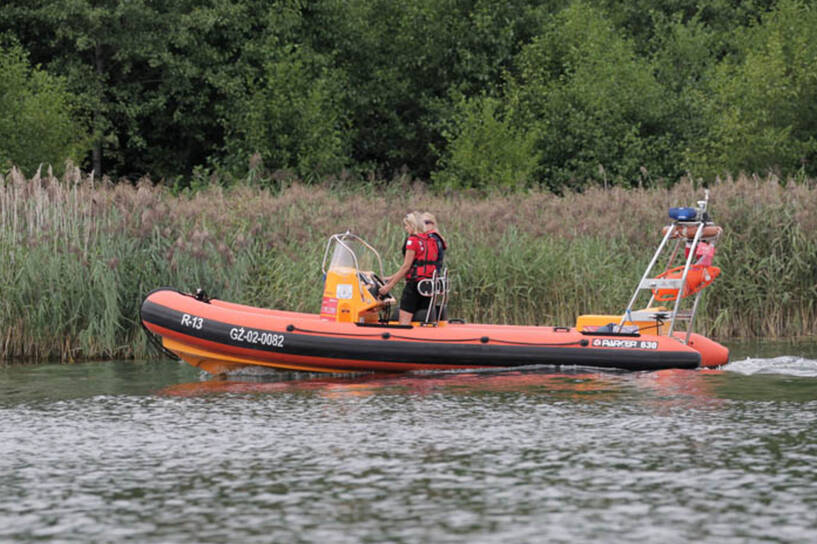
column 562, row 93
column 296, row 119
column 762, row 101
column 37, row 116
column 484, row 149
column 596, row 106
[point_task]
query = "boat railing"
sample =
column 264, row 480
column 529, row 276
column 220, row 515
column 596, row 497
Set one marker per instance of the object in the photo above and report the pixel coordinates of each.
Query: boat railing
column 436, row 288
column 678, row 230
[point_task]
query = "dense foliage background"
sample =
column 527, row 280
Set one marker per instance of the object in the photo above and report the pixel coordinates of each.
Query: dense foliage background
column 462, row 93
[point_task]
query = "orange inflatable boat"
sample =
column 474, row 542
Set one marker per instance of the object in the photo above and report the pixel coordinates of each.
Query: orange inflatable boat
column 219, row 337
column 353, row 332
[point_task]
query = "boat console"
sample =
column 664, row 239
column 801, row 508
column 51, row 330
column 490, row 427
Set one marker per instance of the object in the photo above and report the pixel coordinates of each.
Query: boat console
column 350, row 292
column 351, row 285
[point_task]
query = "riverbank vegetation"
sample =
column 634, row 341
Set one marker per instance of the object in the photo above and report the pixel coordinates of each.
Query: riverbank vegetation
column 81, row 253
column 560, row 94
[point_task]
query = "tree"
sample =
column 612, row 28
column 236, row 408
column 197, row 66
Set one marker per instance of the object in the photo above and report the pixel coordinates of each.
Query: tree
column 404, row 60
column 761, row 102
column 294, row 117
column 592, row 103
column 38, row 120
column 484, row 150
column 152, row 75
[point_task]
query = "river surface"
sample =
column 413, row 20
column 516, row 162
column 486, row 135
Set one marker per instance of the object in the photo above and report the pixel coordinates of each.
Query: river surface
column 125, row 451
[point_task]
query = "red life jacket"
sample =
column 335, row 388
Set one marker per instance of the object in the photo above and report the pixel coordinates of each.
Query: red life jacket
column 426, row 255
column 441, row 247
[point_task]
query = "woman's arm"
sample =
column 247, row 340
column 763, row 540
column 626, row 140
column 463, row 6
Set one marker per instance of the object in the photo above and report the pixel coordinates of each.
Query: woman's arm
column 397, row 276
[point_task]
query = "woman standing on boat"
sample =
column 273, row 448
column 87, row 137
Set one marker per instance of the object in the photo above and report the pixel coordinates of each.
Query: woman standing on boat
column 430, row 227
column 418, row 264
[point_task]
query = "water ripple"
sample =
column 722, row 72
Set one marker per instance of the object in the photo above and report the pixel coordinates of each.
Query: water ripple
column 675, row 456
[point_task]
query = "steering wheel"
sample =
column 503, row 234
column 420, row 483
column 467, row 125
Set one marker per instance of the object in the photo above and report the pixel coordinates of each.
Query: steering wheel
column 375, row 289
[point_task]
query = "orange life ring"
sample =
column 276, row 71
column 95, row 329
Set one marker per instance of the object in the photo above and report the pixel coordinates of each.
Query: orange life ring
column 698, row 277
column 688, row 231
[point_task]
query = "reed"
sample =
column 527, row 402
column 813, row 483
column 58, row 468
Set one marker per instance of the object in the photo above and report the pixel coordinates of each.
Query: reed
column 79, row 253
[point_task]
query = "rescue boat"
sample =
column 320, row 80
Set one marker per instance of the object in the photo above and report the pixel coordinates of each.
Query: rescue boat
column 354, row 333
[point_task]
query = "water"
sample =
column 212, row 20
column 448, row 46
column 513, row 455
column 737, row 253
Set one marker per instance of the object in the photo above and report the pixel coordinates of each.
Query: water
column 153, row 452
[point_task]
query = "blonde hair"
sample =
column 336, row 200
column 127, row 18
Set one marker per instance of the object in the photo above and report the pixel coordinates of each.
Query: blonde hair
column 414, row 222
column 429, row 221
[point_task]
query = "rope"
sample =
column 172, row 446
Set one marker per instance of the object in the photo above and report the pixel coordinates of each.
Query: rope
column 291, row 328
column 582, row 342
column 156, row 343
column 482, row 339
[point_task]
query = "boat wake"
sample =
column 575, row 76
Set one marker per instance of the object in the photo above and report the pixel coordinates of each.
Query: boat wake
column 268, row 374
column 789, row 365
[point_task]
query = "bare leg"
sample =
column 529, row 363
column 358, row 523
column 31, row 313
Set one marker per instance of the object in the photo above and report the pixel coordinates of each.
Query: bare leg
column 405, row 317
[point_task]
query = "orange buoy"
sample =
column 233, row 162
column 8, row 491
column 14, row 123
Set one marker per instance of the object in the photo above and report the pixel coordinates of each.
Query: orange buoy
column 698, row 277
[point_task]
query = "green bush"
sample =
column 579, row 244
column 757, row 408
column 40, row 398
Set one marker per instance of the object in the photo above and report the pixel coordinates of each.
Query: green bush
column 759, row 103
column 295, row 118
column 592, row 103
column 37, row 116
column 484, row 150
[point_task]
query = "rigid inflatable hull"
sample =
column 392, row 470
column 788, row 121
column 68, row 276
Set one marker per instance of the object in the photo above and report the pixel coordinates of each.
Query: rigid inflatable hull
column 218, row 337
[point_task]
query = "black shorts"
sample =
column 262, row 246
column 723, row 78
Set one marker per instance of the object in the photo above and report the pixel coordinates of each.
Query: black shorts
column 411, row 301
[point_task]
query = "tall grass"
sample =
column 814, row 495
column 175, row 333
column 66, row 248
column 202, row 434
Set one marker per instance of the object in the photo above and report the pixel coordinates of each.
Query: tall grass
column 78, row 254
